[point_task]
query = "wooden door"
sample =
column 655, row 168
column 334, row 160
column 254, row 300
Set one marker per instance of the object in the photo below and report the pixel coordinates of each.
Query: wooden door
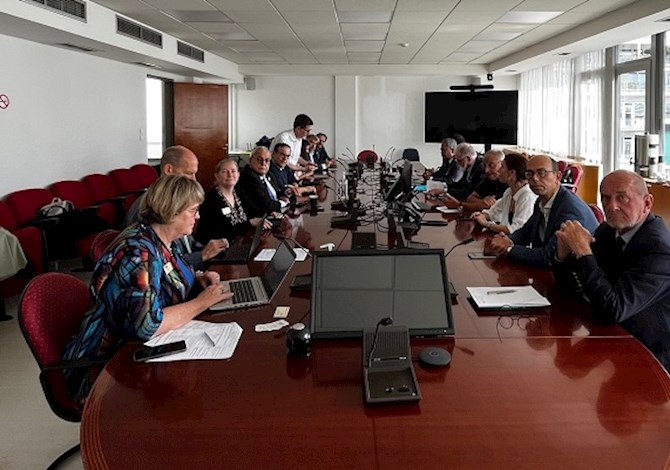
column 201, row 124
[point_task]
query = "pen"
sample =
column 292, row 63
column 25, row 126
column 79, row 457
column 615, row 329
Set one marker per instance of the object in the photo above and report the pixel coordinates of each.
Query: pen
column 497, row 292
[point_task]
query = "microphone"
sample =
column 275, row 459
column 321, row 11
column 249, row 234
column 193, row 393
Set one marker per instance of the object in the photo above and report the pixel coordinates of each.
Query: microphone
column 353, row 156
column 464, row 242
column 384, row 321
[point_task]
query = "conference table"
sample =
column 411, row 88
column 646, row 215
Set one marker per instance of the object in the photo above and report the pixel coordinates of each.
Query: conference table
column 540, row 388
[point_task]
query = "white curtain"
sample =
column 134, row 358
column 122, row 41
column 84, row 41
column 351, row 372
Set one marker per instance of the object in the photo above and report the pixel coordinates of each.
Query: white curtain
column 589, row 99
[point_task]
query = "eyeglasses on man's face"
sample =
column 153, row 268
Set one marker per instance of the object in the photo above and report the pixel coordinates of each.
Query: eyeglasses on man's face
column 541, row 173
column 263, row 161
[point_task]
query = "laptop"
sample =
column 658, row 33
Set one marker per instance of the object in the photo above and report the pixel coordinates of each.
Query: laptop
column 259, row 290
column 240, row 253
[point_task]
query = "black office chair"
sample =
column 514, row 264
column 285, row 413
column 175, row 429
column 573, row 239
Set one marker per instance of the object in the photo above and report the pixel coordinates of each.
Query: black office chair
column 410, row 154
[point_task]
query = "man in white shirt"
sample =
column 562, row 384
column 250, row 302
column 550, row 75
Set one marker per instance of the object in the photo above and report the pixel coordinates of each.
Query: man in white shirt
column 302, row 126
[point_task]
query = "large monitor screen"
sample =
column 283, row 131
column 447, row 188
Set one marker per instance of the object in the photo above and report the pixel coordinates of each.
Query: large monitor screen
column 352, row 290
column 481, row 117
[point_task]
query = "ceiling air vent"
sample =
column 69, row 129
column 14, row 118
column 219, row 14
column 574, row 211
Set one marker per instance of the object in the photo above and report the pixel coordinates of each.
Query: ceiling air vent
column 137, row 31
column 74, row 8
column 190, row 51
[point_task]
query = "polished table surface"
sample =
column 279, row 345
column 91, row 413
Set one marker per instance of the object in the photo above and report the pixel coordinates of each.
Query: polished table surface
column 543, row 388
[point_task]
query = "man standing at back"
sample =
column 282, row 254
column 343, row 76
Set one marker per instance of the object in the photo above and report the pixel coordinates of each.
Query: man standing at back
column 302, row 127
column 624, row 269
column 179, row 160
column 535, row 242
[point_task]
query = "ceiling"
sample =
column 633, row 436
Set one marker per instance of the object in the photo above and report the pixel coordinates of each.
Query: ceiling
column 418, row 33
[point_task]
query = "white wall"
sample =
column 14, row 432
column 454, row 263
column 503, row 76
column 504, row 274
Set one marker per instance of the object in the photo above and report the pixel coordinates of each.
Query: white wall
column 380, row 111
column 70, row 114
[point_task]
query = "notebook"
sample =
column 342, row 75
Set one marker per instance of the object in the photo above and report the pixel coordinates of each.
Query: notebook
column 259, row 290
column 240, row 253
column 507, row 297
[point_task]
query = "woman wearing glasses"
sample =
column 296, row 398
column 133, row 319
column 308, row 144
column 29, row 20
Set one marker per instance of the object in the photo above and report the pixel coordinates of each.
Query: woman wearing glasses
column 221, row 213
column 142, row 286
column 515, row 207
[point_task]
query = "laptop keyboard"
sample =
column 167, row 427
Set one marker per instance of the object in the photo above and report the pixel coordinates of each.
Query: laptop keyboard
column 243, row 290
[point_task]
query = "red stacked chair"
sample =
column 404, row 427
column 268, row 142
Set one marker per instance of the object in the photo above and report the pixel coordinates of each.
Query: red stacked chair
column 572, row 176
column 32, row 243
column 128, row 185
column 144, row 174
column 103, row 190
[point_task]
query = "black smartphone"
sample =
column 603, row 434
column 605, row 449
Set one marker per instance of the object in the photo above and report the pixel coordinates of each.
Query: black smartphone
column 301, row 282
column 150, row 352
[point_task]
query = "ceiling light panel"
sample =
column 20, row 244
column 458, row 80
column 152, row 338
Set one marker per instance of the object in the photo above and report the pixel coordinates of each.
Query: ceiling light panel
column 242, row 5
column 200, row 16
column 426, row 5
column 364, row 46
column 263, row 17
column 364, row 32
column 367, row 5
column 528, row 17
column 544, row 5
column 486, row 5
column 365, row 16
column 364, row 57
column 303, row 5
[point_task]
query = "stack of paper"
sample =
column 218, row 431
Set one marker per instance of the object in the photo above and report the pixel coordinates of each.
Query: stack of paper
column 507, row 297
column 446, row 210
column 266, row 254
column 204, row 340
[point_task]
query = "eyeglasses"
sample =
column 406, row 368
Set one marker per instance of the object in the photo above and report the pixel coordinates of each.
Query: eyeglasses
column 265, row 161
column 541, row 173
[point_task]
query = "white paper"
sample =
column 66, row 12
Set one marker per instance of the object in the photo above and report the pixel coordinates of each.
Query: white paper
column 446, row 210
column 266, row 254
column 507, row 296
column 204, row 340
column 273, row 326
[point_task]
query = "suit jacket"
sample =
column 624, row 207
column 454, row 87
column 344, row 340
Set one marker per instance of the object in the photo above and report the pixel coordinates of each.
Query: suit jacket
column 462, row 188
column 529, row 248
column 631, row 288
column 449, row 172
column 321, row 156
column 254, row 194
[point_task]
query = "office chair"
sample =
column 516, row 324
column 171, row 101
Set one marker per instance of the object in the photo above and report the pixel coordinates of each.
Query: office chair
column 572, row 176
column 368, row 157
column 51, row 310
column 101, row 242
column 410, row 154
column 598, row 213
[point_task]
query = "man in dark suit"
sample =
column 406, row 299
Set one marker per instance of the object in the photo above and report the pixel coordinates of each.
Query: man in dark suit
column 282, row 176
column 473, row 171
column 535, row 242
column 450, row 171
column 624, row 269
column 258, row 193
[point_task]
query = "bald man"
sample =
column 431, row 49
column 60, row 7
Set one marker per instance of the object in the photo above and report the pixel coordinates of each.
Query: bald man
column 179, row 160
column 624, row 269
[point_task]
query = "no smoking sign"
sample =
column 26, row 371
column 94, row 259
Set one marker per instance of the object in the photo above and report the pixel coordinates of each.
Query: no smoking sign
column 4, row 101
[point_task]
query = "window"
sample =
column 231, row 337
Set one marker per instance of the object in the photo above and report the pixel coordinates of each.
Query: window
column 156, row 135
column 634, row 50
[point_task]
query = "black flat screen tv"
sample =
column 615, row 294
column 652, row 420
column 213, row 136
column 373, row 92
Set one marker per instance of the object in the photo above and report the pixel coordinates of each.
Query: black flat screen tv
column 481, row 117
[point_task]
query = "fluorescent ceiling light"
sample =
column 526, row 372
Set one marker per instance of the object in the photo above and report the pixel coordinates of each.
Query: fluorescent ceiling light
column 364, row 16
column 528, row 17
column 199, row 16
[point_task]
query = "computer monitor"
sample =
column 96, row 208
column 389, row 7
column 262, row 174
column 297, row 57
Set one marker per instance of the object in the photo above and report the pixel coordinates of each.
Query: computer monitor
column 353, row 290
column 401, row 186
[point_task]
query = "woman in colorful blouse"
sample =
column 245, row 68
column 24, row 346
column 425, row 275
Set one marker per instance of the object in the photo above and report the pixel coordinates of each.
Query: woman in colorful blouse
column 221, row 213
column 142, row 287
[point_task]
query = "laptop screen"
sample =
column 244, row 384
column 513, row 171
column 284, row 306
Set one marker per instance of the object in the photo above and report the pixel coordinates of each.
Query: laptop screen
column 279, row 266
column 353, row 290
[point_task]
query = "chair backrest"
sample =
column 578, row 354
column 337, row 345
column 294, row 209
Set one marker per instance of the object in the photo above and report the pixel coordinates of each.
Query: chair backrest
column 145, row 174
column 74, row 191
column 125, row 180
column 51, row 310
column 572, row 176
column 102, row 187
column 368, row 156
column 25, row 203
column 410, row 154
column 597, row 211
column 101, row 242
column 7, row 218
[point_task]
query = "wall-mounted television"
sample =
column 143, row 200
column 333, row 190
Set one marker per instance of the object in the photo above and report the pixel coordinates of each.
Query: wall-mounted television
column 481, row 117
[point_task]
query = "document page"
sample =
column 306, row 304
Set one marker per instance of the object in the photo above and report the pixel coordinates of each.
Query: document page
column 204, row 340
column 508, row 296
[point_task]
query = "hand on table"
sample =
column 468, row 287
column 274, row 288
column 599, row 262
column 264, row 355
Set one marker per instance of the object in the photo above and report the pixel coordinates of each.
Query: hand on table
column 214, row 247
column 497, row 245
column 214, row 294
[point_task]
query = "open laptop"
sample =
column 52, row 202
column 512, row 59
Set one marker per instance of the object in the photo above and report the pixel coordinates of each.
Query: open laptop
column 240, row 253
column 259, row 290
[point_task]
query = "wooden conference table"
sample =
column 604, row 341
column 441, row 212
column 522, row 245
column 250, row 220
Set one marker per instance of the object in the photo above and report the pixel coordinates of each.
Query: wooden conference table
column 551, row 390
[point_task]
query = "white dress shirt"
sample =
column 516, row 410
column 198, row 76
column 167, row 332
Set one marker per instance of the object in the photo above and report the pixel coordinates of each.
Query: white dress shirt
column 524, row 201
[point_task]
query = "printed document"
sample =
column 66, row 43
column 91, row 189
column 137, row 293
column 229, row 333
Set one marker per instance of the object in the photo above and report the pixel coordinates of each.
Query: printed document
column 507, row 297
column 204, row 340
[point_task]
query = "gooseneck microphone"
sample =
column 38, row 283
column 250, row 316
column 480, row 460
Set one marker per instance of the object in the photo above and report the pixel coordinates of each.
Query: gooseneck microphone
column 384, row 321
column 464, row 242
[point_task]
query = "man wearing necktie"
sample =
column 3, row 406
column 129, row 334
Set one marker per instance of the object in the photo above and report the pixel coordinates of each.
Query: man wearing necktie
column 258, row 192
column 624, row 269
column 535, row 242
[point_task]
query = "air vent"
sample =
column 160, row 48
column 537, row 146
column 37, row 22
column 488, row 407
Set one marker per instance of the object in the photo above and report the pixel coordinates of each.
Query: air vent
column 74, row 8
column 190, row 51
column 137, row 31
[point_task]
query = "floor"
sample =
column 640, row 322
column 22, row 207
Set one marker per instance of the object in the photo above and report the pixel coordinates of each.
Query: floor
column 31, row 436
